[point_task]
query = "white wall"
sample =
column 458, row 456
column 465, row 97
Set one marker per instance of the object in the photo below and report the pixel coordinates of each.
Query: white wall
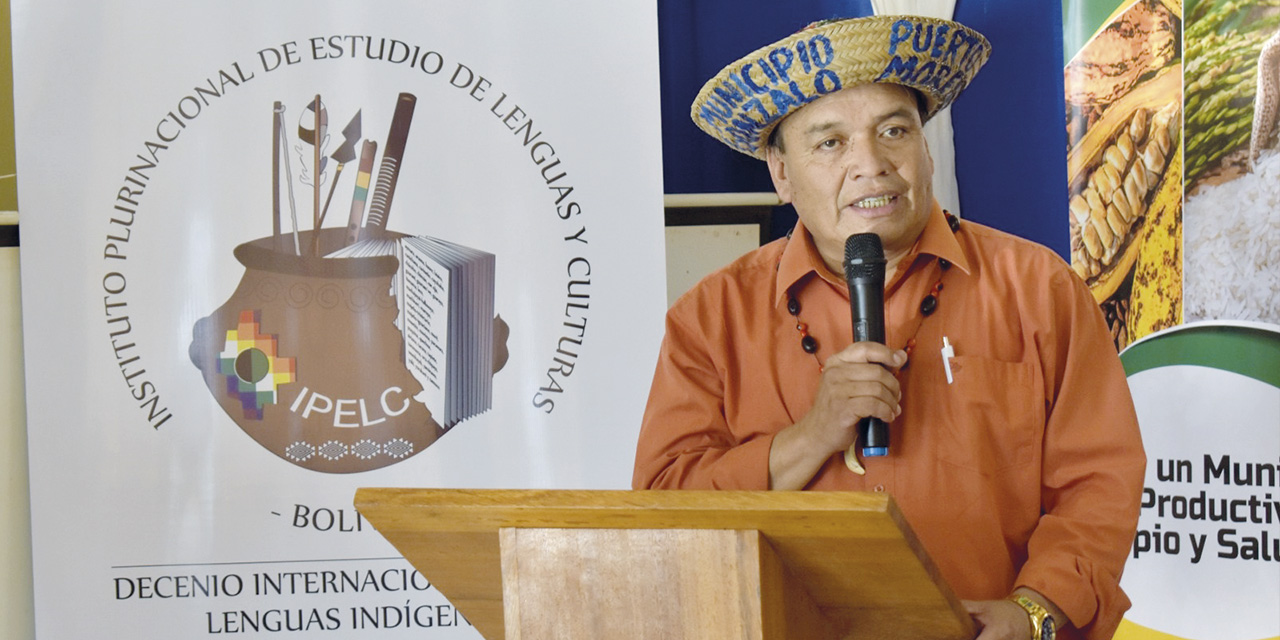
column 17, row 620
column 695, row 251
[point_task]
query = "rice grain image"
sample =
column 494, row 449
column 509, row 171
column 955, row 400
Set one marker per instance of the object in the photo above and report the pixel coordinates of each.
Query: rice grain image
column 1232, row 245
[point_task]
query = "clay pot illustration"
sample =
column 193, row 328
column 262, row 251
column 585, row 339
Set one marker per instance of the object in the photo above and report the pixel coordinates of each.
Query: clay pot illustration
column 306, row 358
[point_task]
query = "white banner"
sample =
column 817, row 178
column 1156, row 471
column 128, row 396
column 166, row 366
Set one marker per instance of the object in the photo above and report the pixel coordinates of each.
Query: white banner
column 1206, row 558
column 210, row 378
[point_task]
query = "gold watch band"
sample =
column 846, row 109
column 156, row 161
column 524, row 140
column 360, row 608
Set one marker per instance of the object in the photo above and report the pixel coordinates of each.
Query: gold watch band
column 1043, row 625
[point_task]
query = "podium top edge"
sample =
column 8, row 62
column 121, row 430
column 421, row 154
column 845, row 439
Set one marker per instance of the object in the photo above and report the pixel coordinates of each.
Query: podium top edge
column 597, row 498
column 488, row 509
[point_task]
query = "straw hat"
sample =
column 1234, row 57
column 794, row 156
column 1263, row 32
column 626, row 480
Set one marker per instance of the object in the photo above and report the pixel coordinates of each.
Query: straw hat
column 747, row 99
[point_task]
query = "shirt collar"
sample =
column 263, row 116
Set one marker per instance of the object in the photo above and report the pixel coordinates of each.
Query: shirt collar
column 801, row 261
column 938, row 240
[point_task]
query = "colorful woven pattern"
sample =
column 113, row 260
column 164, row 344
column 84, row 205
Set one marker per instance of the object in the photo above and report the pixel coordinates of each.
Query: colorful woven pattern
column 253, row 371
column 747, row 99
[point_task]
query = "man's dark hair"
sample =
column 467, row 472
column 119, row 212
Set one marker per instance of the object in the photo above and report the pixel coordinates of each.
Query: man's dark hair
column 922, row 105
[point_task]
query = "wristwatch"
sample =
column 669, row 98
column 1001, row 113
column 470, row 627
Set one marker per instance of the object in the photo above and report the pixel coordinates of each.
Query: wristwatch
column 1042, row 624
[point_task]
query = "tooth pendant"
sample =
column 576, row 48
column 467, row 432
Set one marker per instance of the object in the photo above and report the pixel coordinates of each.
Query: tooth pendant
column 851, row 461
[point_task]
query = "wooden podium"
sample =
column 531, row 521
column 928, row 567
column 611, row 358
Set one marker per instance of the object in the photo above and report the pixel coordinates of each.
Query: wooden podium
column 701, row 565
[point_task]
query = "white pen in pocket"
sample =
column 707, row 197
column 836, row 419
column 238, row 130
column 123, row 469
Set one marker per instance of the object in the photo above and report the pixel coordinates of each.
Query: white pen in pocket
column 948, row 352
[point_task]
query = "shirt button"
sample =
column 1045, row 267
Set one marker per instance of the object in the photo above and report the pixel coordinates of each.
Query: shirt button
column 879, row 488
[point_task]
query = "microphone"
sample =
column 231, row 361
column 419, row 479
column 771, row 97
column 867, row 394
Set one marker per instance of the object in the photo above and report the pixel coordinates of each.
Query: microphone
column 864, row 271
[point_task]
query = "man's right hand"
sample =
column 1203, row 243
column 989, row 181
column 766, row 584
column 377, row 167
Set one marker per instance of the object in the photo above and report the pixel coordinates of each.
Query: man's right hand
column 856, row 383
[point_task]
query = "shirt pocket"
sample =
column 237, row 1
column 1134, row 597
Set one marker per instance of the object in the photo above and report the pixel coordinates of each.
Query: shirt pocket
column 993, row 412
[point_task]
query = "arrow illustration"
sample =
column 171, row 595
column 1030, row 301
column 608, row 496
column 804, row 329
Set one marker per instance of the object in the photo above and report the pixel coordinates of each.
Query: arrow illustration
column 344, row 154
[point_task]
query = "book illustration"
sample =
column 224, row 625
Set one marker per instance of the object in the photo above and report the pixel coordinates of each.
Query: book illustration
column 446, row 309
column 444, row 293
column 352, row 347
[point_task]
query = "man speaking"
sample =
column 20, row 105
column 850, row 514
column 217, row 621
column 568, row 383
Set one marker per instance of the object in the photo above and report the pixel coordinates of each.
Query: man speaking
column 1013, row 447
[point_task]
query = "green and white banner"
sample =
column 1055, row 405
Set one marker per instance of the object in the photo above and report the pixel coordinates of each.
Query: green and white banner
column 1206, row 559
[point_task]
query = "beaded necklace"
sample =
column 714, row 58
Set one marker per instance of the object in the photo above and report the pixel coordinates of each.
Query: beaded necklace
column 928, row 306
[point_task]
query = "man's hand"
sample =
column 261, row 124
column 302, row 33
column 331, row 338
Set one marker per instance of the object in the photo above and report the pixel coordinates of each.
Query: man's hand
column 999, row 619
column 1004, row 619
column 856, row 383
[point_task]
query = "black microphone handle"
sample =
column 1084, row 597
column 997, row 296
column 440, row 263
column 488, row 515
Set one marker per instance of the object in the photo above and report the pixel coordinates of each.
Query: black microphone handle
column 866, row 302
column 874, row 433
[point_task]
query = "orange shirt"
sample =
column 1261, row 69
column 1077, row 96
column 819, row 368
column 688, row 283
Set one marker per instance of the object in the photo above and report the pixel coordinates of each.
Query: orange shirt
column 1025, row 470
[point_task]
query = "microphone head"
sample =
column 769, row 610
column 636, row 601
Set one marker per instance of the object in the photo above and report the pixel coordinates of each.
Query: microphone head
column 863, row 256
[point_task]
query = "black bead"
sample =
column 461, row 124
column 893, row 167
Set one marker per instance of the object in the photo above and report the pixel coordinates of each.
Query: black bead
column 809, row 344
column 793, row 306
column 952, row 221
column 928, row 305
column 944, row 263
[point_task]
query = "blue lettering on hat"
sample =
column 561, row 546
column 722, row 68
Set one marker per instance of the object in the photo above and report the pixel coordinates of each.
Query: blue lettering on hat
column 718, row 104
column 782, row 102
column 936, row 77
column 928, row 38
column 745, row 72
column 826, row 81
column 768, row 71
column 718, row 101
column 743, row 129
column 723, row 106
column 943, row 76
column 971, row 55
column 904, row 69
column 925, row 73
column 711, row 114
column 741, row 85
column 735, row 129
column 950, row 85
column 782, row 58
column 958, row 39
column 800, row 96
column 899, row 33
column 803, row 51
column 758, row 106
column 729, row 94
column 741, row 138
column 824, row 57
column 718, row 108
column 939, row 39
